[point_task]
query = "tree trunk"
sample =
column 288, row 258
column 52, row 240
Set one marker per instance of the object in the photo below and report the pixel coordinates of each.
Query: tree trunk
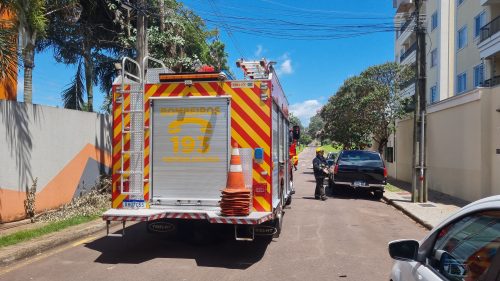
column 29, row 64
column 381, row 145
column 89, row 78
column 141, row 41
column 162, row 16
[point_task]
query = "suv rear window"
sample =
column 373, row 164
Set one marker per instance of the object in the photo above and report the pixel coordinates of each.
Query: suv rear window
column 365, row 158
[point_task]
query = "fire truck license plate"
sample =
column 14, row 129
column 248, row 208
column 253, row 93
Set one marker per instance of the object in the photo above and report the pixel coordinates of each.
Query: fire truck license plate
column 133, row 204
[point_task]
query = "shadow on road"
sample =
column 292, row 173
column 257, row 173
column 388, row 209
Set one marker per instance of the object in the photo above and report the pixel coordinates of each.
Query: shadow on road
column 139, row 246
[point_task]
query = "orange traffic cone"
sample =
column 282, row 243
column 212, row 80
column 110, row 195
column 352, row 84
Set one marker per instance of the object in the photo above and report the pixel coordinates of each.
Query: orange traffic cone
column 235, row 198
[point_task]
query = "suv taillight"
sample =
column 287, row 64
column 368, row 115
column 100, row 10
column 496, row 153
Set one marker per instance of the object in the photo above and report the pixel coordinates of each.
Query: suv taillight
column 336, row 169
column 385, row 172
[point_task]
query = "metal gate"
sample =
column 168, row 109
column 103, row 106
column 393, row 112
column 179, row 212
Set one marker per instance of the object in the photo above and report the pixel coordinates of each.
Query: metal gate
column 190, row 148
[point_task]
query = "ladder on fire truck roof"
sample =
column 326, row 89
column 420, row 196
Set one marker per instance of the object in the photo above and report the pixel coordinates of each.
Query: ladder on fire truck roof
column 133, row 79
column 255, row 69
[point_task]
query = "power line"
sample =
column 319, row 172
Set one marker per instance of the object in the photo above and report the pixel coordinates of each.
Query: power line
column 227, row 29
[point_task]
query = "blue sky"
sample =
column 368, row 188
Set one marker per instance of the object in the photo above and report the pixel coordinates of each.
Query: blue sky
column 309, row 70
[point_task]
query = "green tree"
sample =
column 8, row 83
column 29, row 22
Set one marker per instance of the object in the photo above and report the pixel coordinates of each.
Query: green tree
column 180, row 38
column 75, row 91
column 345, row 114
column 315, row 128
column 366, row 107
column 91, row 40
column 295, row 121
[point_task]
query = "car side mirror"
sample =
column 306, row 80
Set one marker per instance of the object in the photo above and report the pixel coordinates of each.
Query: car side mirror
column 405, row 250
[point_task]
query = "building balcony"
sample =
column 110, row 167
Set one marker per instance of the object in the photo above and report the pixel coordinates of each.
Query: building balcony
column 409, row 56
column 489, row 2
column 406, row 32
column 489, row 43
column 492, row 82
column 403, row 6
column 407, row 89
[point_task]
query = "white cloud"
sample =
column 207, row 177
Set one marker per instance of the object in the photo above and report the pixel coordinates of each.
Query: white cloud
column 286, row 67
column 259, row 51
column 305, row 110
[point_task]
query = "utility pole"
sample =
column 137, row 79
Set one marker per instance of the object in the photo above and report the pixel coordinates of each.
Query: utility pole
column 142, row 43
column 419, row 182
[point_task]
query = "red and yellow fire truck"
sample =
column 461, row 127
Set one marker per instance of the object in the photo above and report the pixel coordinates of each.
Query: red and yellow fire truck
column 172, row 140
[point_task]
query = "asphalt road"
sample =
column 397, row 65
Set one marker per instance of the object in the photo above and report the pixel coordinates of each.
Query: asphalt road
column 343, row 238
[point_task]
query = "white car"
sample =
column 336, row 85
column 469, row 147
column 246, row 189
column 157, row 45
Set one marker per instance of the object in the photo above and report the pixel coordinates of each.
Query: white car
column 466, row 246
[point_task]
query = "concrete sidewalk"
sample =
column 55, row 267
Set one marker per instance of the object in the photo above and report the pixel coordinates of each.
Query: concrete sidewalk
column 429, row 214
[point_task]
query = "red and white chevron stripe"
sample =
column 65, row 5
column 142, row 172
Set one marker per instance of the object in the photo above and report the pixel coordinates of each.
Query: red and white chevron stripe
column 191, row 216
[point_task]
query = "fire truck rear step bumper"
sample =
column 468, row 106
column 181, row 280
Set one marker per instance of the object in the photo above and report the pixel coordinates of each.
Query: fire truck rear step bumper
column 212, row 216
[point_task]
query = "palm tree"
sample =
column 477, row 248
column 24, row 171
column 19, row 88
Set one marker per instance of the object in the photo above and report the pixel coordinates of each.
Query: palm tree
column 8, row 53
column 31, row 23
column 92, row 41
column 73, row 94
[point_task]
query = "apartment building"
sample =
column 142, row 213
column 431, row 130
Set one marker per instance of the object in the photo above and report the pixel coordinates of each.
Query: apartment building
column 463, row 95
column 489, row 42
column 460, row 54
column 406, row 40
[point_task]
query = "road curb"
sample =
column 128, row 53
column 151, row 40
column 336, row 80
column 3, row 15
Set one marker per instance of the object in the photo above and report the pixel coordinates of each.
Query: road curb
column 407, row 213
column 30, row 248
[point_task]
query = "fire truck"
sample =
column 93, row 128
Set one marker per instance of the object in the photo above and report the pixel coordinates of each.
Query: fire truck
column 172, row 140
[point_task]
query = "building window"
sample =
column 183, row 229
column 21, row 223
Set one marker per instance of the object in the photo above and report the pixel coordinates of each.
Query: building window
column 389, row 154
column 461, row 83
column 434, row 57
column 459, row 2
column 479, row 22
column 479, row 75
column 434, row 94
column 434, row 22
column 462, row 37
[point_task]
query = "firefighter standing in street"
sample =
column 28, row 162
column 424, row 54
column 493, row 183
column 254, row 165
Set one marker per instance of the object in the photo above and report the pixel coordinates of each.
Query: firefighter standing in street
column 320, row 172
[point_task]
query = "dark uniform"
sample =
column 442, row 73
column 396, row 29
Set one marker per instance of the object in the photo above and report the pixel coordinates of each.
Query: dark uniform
column 319, row 164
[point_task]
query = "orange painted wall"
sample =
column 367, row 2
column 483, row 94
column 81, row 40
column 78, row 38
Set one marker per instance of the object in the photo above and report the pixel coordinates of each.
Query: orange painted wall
column 8, row 86
column 57, row 192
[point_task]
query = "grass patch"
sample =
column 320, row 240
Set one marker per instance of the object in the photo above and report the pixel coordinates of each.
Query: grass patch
column 28, row 234
column 392, row 188
column 330, row 148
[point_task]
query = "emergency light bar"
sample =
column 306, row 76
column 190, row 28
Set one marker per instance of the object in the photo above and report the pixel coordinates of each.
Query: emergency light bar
column 197, row 76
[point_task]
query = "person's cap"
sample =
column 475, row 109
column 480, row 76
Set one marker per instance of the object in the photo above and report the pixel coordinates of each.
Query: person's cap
column 319, row 149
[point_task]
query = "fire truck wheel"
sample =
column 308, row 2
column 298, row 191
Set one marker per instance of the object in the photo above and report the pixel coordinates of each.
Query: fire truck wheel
column 289, row 200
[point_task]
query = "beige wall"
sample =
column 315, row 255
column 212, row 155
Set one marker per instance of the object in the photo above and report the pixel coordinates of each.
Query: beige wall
column 454, row 150
column 463, row 134
column 402, row 167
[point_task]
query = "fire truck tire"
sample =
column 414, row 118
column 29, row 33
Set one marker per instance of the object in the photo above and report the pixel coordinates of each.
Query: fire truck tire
column 289, row 200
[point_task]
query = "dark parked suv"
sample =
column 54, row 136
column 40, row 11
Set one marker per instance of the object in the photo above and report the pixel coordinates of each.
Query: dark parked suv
column 359, row 169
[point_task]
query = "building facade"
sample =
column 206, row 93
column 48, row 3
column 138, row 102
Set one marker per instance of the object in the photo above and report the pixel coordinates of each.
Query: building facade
column 463, row 96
